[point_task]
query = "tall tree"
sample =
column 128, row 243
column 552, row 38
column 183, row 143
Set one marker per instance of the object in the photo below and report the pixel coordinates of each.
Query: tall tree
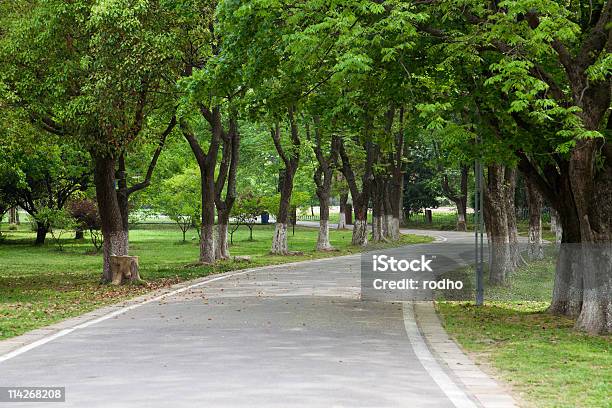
column 291, row 158
column 94, row 73
column 323, row 178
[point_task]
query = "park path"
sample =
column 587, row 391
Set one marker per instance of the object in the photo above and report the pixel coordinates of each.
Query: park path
column 294, row 335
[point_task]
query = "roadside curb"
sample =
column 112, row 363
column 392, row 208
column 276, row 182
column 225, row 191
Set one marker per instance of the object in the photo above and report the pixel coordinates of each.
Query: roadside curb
column 486, row 390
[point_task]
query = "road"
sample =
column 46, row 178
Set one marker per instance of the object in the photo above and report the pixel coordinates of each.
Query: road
column 288, row 336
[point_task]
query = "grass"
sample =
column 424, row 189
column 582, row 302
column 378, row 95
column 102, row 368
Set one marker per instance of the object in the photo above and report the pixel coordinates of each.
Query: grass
column 41, row 285
column 447, row 221
column 538, row 354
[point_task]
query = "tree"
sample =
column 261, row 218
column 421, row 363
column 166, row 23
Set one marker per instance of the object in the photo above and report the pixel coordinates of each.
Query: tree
column 227, row 177
column 125, row 191
column 551, row 63
column 245, row 211
column 85, row 213
column 420, row 187
column 40, row 171
column 179, row 198
column 360, row 197
column 92, row 73
column 208, row 86
column 291, row 160
column 59, row 221
column 323, row 178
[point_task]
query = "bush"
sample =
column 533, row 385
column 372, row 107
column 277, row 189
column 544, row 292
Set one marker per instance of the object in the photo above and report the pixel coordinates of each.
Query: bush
column 59, row 221
column 179, row 198
column 85, row 213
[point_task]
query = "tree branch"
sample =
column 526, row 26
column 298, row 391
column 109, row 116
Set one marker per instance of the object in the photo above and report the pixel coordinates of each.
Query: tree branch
column 275, row 132
column 193, row 143
column 162, row 140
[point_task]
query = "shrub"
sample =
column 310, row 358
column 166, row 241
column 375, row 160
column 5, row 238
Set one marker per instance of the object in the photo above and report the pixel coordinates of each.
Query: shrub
column 59, row 221
column 85, row 213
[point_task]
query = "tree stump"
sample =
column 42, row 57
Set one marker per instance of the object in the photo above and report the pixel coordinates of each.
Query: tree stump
column 428, row 216
column 124, row 268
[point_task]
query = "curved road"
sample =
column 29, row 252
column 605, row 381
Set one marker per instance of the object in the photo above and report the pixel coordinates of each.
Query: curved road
column 287, row 336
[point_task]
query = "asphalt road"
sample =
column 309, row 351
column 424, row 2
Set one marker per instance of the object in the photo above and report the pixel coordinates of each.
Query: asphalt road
column 289, row 336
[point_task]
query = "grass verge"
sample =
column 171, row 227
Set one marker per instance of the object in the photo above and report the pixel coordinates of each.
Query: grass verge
column 41, row 285
column 540, row 355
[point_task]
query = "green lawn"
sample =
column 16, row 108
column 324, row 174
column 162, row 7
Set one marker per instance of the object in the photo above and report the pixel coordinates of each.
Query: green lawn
column 447, row 221
column 540, row 355
column 41, row 285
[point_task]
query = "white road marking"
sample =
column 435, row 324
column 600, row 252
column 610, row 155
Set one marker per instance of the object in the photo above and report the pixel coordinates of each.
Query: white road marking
column 455, row 394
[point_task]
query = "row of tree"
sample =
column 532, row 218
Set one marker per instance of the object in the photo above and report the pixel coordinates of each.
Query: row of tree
column 520, row 85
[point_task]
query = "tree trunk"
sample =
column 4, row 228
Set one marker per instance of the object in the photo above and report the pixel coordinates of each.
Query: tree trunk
column 553, row 220
column 207, row 243
column 567, row 290
column 378, row 215
column 396, row 199
column 323, row 177
column 553, row 183
column 115, row 238
column 496, row 222
column 360, row 232
column 510, row 190
column 386, row 215
column 396, row 185
column 360, row 225
column 124, row 269
column 227, row 178
column 122, row 193
column 342, row 217
column 461, row 202
column 207, row 162
column 592, row 192
column 221, row 243
column 78, row 233
column 291, row 161
column 323, row 243
column 360, row 199
column 555, row 226
column 461, row 217
column 13, row 215
column 41, row 233
column 535, row 248
column 207, row 237
column 279, row 241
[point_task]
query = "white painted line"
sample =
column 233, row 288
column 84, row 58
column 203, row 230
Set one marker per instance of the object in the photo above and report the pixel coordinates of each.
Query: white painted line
column 455, row 394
